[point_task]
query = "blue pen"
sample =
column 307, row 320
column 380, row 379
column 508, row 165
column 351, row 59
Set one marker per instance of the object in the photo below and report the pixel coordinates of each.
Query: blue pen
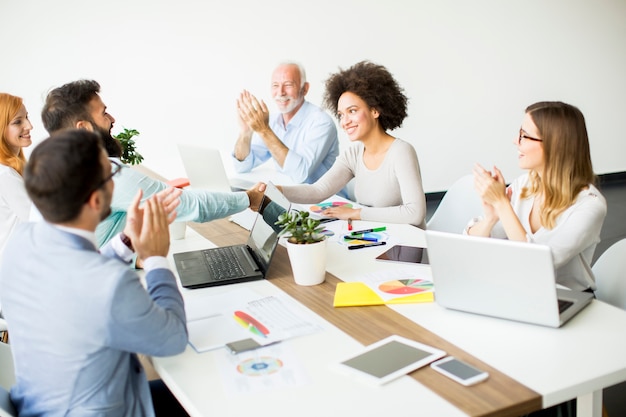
column 367, row 239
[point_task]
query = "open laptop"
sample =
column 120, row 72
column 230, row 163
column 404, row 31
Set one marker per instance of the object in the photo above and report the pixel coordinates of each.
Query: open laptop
column 500, row 278
column 205, row 169
column 237, row 263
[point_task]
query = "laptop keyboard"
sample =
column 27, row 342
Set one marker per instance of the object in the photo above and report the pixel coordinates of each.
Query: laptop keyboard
column 564, row 305
column 223, row 263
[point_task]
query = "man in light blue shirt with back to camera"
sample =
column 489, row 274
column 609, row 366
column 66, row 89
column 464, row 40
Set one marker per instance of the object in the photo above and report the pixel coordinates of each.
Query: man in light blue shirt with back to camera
column 78, row 105
column 301, row 139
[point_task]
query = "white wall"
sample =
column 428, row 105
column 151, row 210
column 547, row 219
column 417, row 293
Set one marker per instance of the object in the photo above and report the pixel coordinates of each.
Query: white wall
column 173, row 69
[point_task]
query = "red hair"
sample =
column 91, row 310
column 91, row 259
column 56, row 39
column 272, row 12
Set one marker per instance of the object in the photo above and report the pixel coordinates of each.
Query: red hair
column 9, row 106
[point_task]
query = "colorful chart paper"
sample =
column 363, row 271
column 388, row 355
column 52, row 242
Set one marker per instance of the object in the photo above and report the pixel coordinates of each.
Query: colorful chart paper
column 265, row 365
column 349, row 294
column 251, row 324
column 318, row 208
column 406, row 286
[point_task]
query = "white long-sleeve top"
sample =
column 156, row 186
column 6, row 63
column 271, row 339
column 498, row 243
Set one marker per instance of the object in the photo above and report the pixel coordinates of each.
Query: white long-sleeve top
column 14, row 203
column 574, row 238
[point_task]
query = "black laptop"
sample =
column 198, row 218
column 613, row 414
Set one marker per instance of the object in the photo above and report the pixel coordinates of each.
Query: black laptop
column 237, row 263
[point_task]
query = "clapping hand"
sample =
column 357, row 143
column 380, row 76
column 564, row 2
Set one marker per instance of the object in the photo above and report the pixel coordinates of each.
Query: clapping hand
column 491, row 188
column 148, row 226
column 253, row 113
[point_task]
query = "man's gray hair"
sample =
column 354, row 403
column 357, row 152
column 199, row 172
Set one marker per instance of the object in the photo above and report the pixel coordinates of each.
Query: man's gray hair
column 300, row 68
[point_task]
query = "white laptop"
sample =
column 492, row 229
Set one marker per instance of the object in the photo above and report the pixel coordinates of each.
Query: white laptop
column 205, row 168
column 500, row 278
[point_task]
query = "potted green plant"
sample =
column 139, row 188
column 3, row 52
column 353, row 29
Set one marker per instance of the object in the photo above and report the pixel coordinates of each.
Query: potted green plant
column 306, row 246
column 129, row 151
column 300, row 228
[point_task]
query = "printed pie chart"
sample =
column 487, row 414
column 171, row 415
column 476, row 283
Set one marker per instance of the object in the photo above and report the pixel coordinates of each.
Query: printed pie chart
column 318, row 208
column 264, row 365
column 406, row 286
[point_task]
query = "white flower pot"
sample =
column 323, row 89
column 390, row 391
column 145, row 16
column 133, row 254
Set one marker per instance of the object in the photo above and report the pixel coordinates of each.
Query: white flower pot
column 308, row 262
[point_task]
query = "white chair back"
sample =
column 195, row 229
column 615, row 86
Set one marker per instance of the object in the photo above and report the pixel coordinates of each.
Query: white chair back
column 458, row 206
column 7, row 378
column 7, row 371
column 610, row 272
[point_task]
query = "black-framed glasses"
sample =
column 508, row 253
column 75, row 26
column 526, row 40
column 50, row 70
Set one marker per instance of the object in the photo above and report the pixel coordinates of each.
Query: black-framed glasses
column 116, row 167
column 523, row 135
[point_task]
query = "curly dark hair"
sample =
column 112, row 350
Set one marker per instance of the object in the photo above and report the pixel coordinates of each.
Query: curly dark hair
column 376, row 86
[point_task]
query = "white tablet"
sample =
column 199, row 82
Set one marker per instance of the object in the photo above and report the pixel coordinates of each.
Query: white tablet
column 389, row 359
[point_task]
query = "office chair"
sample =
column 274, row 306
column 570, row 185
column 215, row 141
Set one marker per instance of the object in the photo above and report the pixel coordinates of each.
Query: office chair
column 610, row 272
column 7, row 377
column 458, row 206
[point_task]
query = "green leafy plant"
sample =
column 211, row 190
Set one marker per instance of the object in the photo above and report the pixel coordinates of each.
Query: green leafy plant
column 300, row 228
column 129, row 152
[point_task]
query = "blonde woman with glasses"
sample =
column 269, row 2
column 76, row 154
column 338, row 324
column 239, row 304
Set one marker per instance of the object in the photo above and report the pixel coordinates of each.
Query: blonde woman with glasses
column 556, row 203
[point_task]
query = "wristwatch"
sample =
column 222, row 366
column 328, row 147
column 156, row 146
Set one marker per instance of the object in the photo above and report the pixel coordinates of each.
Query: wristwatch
column 126, row 240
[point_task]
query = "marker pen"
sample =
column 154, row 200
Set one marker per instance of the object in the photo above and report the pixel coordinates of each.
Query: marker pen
column 376, row 229
column 367, row 239
column 366, row 245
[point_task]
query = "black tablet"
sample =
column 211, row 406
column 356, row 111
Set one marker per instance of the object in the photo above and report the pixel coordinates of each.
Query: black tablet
column 402, row 253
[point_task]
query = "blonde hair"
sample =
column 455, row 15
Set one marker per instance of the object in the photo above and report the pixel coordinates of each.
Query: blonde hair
column 9, row 106
column 567, row 158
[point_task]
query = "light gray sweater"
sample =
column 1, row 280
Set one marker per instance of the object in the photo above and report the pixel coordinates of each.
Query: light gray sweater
column 391, row 193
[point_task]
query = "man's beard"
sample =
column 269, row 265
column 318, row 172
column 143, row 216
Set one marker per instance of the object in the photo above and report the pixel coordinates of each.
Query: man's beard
column 106, row 214
column 293, row 103
column 111, row 145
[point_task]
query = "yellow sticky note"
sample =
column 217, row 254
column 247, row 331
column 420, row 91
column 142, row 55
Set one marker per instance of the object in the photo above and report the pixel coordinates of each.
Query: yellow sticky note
column 359, row 294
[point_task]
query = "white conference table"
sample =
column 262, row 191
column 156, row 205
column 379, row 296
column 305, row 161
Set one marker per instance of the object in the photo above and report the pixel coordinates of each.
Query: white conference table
column 194, row 378
column 575, row 361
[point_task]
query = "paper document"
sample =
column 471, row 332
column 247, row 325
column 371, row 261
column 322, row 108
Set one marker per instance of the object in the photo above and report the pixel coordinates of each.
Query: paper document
column 392, row 287
column 399, row 283
column 244, row 218
column 214, row 320
column 315, row 210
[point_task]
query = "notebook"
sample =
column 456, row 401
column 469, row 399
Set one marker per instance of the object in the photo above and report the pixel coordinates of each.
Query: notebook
column 237, row 263
column 205, row 169
column 500, row 278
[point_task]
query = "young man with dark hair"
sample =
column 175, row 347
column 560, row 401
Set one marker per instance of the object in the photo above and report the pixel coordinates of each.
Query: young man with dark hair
column 78, row 316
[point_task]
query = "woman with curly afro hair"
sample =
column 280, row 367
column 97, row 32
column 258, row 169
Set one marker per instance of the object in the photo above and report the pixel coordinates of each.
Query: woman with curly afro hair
column 368, row 102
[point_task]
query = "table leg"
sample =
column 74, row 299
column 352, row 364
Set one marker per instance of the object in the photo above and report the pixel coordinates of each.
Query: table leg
column 589, row 405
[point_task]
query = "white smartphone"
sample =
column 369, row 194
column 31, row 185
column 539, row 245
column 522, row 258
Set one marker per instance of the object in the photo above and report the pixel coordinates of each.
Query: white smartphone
column 459, row 371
